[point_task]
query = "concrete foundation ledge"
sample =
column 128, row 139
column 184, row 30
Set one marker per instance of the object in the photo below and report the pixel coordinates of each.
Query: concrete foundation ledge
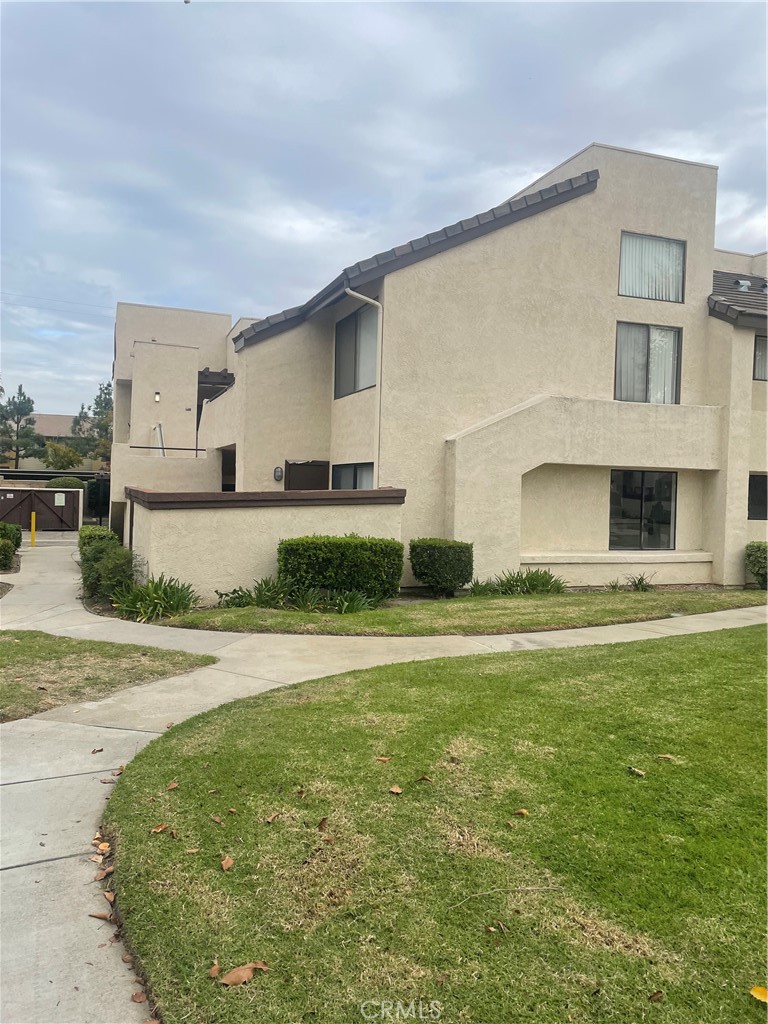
column 598, row 568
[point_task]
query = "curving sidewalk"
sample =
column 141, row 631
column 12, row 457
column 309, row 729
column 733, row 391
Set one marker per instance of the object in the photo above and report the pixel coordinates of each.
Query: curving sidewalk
column 59, row 965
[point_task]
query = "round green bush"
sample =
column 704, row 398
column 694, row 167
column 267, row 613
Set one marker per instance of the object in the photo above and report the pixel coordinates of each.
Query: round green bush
column 11, row 532
column 442, row 565
column 62, row 483
column 90, row 534
column 756, row 561
column 7, row 551
column 105, row 567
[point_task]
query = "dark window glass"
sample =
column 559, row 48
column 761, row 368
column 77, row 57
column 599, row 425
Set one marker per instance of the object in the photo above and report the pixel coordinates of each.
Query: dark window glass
column 757, row 496
column 647, row 364
column 760, row 363
column 354, row 476
column 355, row 360
column 642, row 510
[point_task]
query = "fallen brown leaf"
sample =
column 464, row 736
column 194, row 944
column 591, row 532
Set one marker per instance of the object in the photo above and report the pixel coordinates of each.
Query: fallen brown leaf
column 102, row 917
column 423, row 778
column 759, row 992
column 195, row 850
column 96, row 858
column 103, row 874
column 119, row 771
column 98, row 750
column 665, row 757
column 522, row 813
column 240, row 975
column 273, row 817
column 656, row 997
column 395, row 790
column 232, row 810
column 158, row 828
column 322, row 824
column 109, row 897
column 217, row 819
column 172, row 785
column 168, row 725
column 383, row 760
column 139, row 997
column 215, row 969
column 107, row 782
column 227, row 863
column 104, row 847
column 127, row 958
column 636, row 771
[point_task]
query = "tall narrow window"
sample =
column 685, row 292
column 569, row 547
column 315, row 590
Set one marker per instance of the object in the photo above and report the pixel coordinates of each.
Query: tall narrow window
column 758, row 496
column 760, row 363
column 353, row 476
column 643, row 506
column 647, row 364
column 355, row 362
column 651, row 268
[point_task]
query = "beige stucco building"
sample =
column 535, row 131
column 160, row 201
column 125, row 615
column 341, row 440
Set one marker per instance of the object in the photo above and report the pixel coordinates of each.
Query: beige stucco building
column 574, row 379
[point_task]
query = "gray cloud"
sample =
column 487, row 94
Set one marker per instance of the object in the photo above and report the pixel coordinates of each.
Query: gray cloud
column 235, row 156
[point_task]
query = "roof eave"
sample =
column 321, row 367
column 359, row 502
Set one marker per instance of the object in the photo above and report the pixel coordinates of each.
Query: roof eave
column 734, row 316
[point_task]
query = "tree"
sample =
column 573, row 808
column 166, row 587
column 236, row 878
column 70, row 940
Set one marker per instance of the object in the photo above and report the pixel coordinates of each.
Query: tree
column 18, row 436
column 94, row 425
column 60, row 456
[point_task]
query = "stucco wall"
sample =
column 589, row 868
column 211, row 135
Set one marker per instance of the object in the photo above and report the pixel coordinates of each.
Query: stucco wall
column 664, row 568
column 169, row 371
column 287, row 411
column 567, row 509
column 353, row 421
column 219, row 549
column 207, row 332
column 135, row 469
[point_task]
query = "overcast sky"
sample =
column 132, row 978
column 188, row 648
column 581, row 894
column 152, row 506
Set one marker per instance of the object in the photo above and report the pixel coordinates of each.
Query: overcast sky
column 236, row 156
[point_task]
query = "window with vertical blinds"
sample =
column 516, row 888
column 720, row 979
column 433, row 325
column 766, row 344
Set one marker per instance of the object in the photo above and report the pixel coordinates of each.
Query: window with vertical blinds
column 647, row 364
column 760, row 364
column 651, row 268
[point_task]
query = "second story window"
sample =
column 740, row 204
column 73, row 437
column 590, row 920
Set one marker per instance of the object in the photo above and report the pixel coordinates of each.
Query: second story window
column 355, row 362
column 354, row 476
column 760, row 363
column 647, row 364
column 651, row 268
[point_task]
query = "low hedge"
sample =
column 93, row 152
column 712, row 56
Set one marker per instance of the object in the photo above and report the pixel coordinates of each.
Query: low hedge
column 756, row 561
column 371, row 565
column 442, row 565
column 105, row 567
column 61, row 483
column 11, row 532
column 7, row 551
column 90, row 534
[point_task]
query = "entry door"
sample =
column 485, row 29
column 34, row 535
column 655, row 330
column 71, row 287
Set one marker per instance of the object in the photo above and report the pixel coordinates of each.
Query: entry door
column 306, row 476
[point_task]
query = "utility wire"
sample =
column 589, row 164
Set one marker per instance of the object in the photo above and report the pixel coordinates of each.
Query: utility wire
column 48, row 298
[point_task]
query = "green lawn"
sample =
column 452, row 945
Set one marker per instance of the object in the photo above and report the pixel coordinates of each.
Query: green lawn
column 477, row 615
column 614, row 887
column 39, row 671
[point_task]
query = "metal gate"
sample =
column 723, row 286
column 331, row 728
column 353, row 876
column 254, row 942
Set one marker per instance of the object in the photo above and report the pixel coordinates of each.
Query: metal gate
column 55, row 510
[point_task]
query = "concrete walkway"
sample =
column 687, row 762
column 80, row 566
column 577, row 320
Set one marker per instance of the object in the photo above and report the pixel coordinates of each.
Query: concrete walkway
column 58, row 965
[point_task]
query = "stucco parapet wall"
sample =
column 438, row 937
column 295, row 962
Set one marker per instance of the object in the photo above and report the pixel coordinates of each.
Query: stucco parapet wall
column 160, row 500
column 594, row 432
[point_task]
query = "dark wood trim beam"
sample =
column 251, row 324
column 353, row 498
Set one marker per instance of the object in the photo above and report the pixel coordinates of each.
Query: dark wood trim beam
column 158, row 500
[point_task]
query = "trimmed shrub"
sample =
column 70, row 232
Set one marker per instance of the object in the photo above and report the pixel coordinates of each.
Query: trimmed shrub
column 156, row 599
column 11, row 532
column 372, row 565
column 756, row 561
column 105, row 567
column 7, row 551
column 442, row 565
column 641, row 582
column 62, row 483
column 91, row 534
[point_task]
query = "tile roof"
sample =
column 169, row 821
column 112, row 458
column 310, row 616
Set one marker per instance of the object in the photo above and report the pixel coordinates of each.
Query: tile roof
column 736, row 305
column 419, row 249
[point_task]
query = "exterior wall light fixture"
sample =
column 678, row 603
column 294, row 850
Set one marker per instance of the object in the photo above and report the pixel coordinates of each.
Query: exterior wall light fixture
column 157, row 396
column 278, row 473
